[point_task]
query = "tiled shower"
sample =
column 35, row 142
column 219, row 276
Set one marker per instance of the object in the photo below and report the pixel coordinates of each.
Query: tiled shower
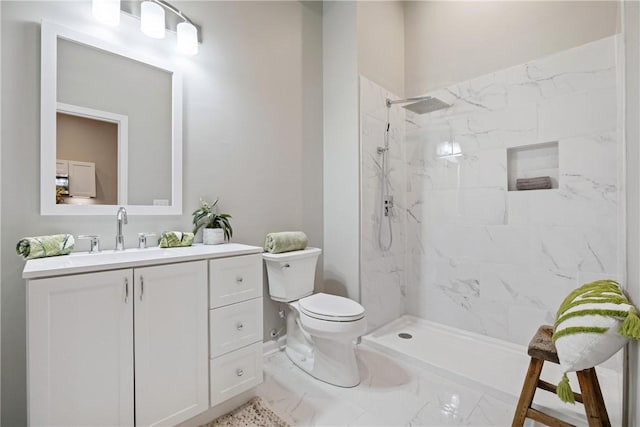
column 469, row 251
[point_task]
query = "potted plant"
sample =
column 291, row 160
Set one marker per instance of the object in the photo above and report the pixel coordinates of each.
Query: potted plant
column 217, row 228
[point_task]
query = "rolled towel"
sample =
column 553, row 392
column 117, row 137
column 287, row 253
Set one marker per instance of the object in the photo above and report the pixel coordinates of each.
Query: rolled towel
column 45, row 246
column 175, row 239
column 537, row 183
column 285, row 241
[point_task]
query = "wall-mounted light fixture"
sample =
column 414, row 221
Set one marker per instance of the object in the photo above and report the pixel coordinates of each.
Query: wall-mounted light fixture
column 152, row 21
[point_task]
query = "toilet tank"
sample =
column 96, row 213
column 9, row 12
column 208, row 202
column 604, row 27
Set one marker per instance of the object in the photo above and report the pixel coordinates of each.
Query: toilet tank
column 291, row 274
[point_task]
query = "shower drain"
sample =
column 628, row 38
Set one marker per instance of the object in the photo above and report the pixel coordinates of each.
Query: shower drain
column 405, row 335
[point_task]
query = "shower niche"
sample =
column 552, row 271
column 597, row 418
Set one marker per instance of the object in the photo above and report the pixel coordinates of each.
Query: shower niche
column 533, row 167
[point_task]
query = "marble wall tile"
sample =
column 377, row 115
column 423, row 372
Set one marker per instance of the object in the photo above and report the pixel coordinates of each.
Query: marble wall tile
column 576, row 114
column 499, row 262
column 518, row 207
column 476, row 256
column 487, row 168
column 373, row 100
column 523, row 322
column 509, row 244
column 589, row 249
column 382, row 271
column 564, row 208
column 591, row 66
column 465, row 206
column 510, row 127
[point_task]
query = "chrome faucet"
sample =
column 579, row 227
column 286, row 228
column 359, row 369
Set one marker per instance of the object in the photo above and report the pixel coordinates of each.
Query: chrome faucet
column 121, row 217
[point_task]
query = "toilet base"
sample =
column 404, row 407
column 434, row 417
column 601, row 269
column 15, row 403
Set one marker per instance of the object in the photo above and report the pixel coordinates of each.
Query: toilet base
column 329, row 360
column 324, row 368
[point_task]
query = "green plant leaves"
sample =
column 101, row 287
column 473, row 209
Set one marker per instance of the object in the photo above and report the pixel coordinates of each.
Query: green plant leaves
column 206, row 217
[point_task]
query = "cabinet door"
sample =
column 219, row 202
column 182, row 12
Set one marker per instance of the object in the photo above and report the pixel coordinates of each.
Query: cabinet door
column 171, row 343
column 82, row 179
column 80, row 350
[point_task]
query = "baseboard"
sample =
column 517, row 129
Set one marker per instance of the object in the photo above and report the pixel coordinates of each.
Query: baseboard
column 272, row 346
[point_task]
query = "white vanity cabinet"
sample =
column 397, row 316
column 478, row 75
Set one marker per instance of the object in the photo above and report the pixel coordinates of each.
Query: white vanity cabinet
column 80, row 349
column 137, row 342
column 82, row 331
column 235, row 325
column 170, row 311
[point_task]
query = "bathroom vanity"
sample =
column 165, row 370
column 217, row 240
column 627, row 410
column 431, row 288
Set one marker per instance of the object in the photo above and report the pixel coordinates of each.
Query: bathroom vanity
column 142, row 336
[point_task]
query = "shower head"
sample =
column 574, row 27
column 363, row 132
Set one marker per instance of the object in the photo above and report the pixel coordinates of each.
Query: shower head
column 427, row 105
column 420, row 104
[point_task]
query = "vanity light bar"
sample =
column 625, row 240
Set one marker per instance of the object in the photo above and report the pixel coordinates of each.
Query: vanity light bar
column 152, row 21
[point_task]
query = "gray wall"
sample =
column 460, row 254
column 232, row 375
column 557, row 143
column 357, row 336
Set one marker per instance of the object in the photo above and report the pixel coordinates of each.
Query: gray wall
column 341, row 150
column 381, row 43
column 449, row 42
column 632, row 134
column 252, row 136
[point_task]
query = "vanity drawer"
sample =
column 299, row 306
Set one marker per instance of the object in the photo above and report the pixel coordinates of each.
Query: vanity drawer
column 235, row 372
column 235, row 326
column 234, row 279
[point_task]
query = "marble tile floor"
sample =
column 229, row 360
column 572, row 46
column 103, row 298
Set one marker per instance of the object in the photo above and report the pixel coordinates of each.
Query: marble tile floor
column 392, row 393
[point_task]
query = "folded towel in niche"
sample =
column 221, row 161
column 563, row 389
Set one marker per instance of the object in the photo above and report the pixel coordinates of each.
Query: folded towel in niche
column 175, row 239
column 285, row 241
column 537, row 183
column 45, row 246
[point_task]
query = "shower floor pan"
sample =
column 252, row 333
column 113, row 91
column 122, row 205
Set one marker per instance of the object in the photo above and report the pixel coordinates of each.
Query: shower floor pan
column 494, row 363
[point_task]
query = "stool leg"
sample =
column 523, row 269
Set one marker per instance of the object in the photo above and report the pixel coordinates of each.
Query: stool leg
column 602, row 409
column 592, row 396
column 528, row 391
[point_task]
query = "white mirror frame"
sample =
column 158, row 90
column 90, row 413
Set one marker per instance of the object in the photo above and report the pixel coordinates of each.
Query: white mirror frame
column 49, row 106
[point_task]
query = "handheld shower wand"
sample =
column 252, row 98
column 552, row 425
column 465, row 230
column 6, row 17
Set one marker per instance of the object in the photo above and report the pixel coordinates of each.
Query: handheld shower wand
column 386, row 200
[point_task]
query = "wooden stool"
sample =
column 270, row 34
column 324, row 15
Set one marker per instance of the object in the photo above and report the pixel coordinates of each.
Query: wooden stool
column 541, row 349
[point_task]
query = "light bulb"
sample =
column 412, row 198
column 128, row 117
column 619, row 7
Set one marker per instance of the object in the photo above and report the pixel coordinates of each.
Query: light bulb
column 107, row 11
column 187, row 38
column 152, row 20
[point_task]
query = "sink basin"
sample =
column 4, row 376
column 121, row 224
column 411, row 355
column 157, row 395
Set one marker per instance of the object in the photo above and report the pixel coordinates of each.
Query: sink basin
column 84, row 262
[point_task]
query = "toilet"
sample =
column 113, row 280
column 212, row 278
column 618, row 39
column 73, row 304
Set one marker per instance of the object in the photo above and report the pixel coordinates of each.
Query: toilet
column 321, row 328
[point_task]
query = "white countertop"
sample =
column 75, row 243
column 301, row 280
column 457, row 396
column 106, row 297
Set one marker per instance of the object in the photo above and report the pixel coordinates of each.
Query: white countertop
column 84, row 262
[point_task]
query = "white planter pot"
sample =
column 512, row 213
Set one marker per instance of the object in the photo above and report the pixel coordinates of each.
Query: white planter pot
column 212, row 236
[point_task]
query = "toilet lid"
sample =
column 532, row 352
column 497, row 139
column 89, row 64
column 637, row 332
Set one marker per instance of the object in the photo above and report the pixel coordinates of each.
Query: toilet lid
column 331, row 307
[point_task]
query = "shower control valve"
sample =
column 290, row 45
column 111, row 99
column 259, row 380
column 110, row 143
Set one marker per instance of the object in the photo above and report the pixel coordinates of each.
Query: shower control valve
column 388, row 205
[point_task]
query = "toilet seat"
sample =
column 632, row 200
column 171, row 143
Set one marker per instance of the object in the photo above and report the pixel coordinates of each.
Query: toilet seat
column 331, row 308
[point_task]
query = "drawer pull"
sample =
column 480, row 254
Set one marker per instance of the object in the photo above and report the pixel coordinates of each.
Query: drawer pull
column 239, row 372
column 240, row 326
column 239, row 280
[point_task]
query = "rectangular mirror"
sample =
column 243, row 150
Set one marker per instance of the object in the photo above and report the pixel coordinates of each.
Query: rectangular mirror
column 111, row 124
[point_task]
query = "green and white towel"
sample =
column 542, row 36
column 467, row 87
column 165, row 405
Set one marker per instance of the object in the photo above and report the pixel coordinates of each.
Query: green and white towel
column 285, row 241
column 592, row 324
column 175, row 239
column 45, row 246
